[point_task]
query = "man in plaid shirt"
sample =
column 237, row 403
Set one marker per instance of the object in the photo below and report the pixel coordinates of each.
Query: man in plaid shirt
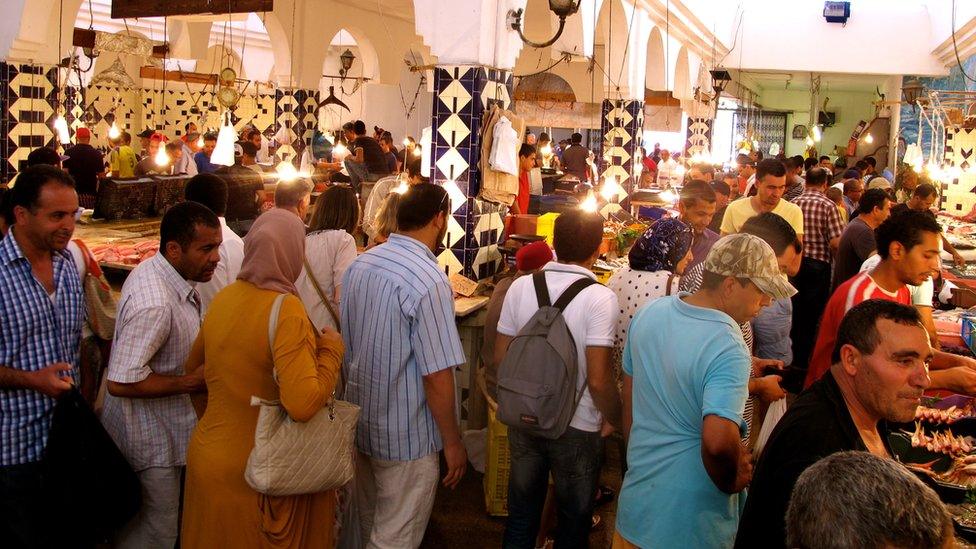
column 822, row 229
column 41, row 313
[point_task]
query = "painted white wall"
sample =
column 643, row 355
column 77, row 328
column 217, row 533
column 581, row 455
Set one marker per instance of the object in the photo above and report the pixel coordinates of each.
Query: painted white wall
column 851, row 107
column 881, row 37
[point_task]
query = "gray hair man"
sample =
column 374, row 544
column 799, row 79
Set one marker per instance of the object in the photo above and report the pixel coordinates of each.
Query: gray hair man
column 857, row 499
column 294, row 195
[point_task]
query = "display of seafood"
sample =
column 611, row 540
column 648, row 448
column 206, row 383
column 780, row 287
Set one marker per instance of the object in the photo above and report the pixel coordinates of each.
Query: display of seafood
column 936, row 415
column 121, row 253
column 942, row 442
column 962, row 472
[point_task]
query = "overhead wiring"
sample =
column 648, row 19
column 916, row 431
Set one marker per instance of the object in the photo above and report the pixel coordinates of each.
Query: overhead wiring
column 955, row 46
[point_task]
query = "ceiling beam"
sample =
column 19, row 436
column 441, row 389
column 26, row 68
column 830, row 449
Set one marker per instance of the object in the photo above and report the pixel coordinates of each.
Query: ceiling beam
column 162, row 8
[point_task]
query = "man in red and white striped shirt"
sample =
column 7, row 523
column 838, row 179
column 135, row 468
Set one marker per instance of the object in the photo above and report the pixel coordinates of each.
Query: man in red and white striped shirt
column 909, row 248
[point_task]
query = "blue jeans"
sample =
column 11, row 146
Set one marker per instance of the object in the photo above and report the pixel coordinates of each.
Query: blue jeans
column 574, row 460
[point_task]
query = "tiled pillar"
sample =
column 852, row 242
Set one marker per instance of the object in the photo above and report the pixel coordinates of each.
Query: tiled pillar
column 622, row 127
column 461, row 96
column 28, row 103
column 699, row 138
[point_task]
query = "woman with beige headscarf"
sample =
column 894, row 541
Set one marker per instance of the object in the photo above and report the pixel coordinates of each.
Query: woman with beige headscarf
column 220, row 509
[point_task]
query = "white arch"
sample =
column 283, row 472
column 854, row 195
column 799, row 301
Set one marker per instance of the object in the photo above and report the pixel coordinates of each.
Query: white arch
column 656, row 78
column 682, row 88
column 613, row 24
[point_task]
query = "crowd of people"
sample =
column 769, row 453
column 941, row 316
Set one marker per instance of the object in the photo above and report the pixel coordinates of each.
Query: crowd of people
column 742, row 300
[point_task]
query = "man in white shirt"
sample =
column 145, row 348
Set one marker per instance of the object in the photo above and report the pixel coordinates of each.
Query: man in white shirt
column 211, row 191
column 147, row 410
column 667, row 171
column 575, row 458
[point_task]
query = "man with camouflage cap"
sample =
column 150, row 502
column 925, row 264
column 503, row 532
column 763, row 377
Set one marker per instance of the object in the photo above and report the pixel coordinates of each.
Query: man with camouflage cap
column 687, row 376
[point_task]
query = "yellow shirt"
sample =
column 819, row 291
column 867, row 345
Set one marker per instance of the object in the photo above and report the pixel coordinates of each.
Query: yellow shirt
column 740, row 210
column 123, row 160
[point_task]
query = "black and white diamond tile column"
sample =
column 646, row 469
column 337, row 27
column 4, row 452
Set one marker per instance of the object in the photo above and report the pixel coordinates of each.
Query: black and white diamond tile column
column 28, row 105
column 461, row 96
column 958, row 196
column 699, row 137
column 622, row 127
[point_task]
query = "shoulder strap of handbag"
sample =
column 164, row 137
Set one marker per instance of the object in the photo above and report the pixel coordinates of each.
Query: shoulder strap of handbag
column 667, row 291
column 91, row 263
column 318, row 290
column 273, row 329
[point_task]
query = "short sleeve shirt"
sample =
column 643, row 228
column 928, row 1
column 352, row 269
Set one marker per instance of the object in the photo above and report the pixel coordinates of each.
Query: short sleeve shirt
column 741, row 210
column 123, row 160
column 856, row 290
column 591, row 318
column 84, row 163
column 397, row 314
column 687, row 363
column 635, row 289
column 329, row 254
column 158, row 319
column 821, row 223
column 373, row 155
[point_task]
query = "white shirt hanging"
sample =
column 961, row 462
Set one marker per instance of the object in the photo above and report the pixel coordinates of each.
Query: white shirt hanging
column 504, row 148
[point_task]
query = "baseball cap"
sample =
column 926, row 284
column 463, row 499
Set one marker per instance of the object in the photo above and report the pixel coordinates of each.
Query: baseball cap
column 747, row 256
column 879, row 183
column 533, row 256
column 45, row 155
column 145, row 134
column 83, row 133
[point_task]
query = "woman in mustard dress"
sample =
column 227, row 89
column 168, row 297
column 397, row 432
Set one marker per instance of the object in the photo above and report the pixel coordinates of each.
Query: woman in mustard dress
column 220, row 509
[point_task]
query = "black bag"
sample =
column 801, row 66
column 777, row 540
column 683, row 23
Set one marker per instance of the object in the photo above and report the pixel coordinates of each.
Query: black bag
column 92, row 486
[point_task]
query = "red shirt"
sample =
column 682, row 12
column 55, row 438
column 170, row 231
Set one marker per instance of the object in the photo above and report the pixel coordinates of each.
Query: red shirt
column 856, row 290
column 522, row 199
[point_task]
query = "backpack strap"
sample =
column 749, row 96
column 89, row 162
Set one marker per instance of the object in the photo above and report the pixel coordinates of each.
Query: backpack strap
column 541, row 289
column 574, row 289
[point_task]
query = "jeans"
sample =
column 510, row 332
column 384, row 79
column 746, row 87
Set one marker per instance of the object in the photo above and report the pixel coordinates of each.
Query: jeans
column 574, row 459
column 813, row 287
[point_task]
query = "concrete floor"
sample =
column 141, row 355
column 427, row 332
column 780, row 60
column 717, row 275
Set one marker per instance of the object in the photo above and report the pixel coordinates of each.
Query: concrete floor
column 459, row 519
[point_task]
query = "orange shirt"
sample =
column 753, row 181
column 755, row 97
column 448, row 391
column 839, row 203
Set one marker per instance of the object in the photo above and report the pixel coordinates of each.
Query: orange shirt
column 522, row 199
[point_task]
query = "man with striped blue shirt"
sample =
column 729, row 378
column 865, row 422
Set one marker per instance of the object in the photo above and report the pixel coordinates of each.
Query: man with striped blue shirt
column 41, row 313
column 402, row 346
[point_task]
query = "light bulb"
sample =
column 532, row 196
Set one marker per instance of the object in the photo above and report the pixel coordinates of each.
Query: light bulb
column 406, row 142
column 200, row 142
column 286, row 171
column 610, row 189
column 817, row 136
column 546, row 150
column 61, row 127
column 868, row 139
column 161, row 157
column 417, row 151
column 668, row 196
column 809, row 141
column 589, row 204
column 223, row 153
column 340, row 150
column 113, row 132
column 401, row 188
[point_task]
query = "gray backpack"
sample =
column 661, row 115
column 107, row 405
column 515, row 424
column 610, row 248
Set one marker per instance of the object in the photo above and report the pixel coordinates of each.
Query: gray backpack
column 538, row 376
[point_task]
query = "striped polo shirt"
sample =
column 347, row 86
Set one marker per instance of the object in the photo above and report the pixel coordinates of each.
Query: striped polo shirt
column 397, row 313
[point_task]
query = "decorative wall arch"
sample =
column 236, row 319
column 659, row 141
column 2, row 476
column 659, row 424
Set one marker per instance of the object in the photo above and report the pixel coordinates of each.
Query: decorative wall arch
column 682, row 76
column 656, row 78
column 612, row 34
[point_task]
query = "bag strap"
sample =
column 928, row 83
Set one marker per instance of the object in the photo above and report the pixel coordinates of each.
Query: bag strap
column 318, row 290
column 541, row 289
column 91, row 264
column 273, row 325
column 667, row 291
column 574, row 289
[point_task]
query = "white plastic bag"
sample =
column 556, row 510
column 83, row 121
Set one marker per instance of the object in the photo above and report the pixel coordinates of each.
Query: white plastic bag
column 774, row 413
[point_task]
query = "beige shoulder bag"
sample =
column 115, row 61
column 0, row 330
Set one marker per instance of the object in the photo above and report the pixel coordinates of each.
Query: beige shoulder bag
column 291, row 457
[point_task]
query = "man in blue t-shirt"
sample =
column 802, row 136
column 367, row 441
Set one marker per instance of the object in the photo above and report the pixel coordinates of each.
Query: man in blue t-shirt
column 687, row 375
column 202, row 158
